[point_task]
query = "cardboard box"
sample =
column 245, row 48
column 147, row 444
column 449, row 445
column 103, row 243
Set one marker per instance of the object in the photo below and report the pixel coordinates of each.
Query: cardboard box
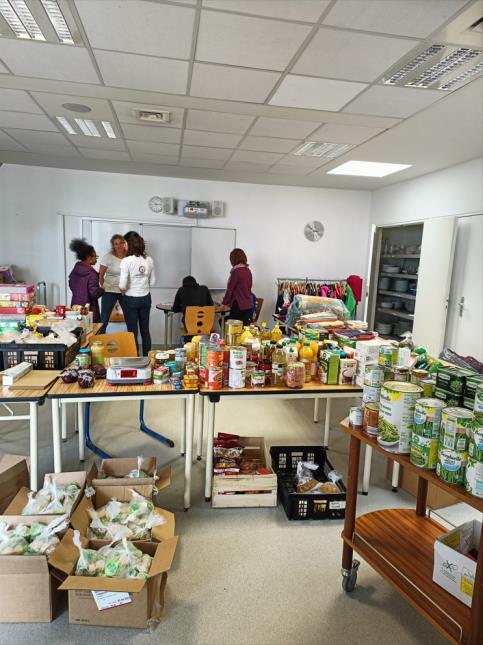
column 329, row 367
column 408, row 481
column 147, row 596
column 116, row 470
column 453, row 570
column 347, row 371
column 14, row 475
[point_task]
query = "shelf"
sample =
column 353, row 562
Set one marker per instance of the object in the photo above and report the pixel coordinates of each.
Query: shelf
column 403, row 256
column 397, row 294
column 409, row 276
column 399, row 545
column 397, row 314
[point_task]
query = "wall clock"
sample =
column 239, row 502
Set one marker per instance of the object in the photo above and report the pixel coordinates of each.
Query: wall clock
column 314, row 231
column 156, row 204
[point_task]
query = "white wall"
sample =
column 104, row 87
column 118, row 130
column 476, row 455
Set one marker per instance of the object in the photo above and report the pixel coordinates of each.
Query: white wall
column 269, row 221
column 457, row 190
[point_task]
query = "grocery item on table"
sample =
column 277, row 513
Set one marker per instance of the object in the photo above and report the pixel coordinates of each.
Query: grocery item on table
column 100, row 371
column 83, row 359
column 69, row 375
column 53, row 499
column 279, row 362
column 257, row 378
column 474, row 464
column 388, row 355
column 227, row 454
column 396, row 415
column 310, row 478
column 371, row 418
column 295, row 375
column 455, row 427
column 451, row 465
column 86, row 378
column 356, row 416
column 36, row 539
column 427, row 417
column 424, row 451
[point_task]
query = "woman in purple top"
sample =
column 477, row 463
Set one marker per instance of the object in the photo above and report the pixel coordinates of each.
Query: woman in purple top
column 239, row 289
column 84, row 279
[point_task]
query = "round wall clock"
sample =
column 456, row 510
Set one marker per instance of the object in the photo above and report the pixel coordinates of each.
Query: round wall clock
column 314, row 231
column 156, row 204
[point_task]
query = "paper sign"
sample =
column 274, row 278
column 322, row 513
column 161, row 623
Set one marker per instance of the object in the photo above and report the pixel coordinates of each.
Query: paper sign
column 109, row 599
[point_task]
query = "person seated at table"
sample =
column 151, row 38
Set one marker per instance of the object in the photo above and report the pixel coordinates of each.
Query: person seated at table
column 191, row 294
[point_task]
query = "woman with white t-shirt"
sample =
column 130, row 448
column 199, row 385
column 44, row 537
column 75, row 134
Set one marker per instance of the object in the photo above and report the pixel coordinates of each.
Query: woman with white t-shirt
column 137, row 275
column 109, row 273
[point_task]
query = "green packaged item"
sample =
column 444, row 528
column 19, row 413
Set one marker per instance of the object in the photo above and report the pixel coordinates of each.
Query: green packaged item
column 424, row 452
column 452, row 379
column 451, row 466
column 456, row 424
column 329, row 367
column 472, row 382
column 475, row 444
column 468, row 403
column 427, row 417
column 450, row 398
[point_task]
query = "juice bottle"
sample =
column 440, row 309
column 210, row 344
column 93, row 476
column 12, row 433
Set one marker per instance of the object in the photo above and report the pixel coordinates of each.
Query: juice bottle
column 279, row 362
column 306, row 358
column 292, row 355
column 265, row 334
column 294, row 345
column 314, row 346
column 276, row 334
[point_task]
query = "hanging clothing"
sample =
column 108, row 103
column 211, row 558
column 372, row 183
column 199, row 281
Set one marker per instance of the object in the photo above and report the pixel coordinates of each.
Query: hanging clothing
column 355, row 283
column 350, row 302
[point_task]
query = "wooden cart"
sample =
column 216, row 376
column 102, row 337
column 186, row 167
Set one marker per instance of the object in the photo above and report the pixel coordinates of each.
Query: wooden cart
column 399, row 545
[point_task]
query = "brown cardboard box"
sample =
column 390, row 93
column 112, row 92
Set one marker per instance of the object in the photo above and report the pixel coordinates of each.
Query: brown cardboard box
column 14, row 474
column 147, row 595
column 408, row 481
column 117, row 468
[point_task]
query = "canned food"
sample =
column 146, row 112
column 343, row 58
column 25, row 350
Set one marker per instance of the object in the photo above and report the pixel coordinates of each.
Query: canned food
column 455, row 428
column 251, row 366
column 373, row 376
column 356, row 416
column 161, row 358
column 418, row 375
column 295, row 375
column 475, row 444
column 161, row 374
column 474, row 477
column 396, row 415
column 233, row 326
column 478, row 406
column 236, row 378
column 424, row 452
column 387, row 355
column 214, row 358
column 214, row 378
column 238, row 358
column 257, row 378
column 400, row 373
column 371, row 418
column 428, row 387
column 370, row 394
column 427, row 418
column 83, row 360
column 451, row 466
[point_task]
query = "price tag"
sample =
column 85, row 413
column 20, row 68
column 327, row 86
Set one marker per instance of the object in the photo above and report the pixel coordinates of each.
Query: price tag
column 109, row 599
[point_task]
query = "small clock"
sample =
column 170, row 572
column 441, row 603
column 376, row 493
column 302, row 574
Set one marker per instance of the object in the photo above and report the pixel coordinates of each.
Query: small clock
column 314, row 231
column 156, row 204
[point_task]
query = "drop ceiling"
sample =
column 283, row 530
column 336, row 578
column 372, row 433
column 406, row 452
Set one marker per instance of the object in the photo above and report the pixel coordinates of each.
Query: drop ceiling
column 246, row 83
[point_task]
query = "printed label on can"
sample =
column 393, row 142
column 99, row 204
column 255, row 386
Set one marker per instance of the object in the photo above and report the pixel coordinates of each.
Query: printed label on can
column 478, row 407
column 455, row 428
column 238, row 357
column 475, row 447
column 356, row 416
column 474, row 477
column 396, row 415
column 214, row 378
column 387, row 355
column 427, row 417
column 214, row 358
column 451, row 466
column 424, row 452
column 373, row 376
column 236, row 378
column 370, row 394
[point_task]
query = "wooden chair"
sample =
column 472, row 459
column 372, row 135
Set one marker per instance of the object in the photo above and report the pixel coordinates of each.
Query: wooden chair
column 121, row 344
column 258, row 309
column 198, row 320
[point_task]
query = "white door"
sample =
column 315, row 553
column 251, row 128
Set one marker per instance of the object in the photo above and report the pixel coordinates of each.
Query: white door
column 435, row 267
column 464, row 331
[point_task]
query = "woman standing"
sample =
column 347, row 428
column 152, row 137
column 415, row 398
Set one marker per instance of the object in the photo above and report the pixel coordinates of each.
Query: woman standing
column 109, row 274
column 239, row 289
column 84, row 279
column 137, row 275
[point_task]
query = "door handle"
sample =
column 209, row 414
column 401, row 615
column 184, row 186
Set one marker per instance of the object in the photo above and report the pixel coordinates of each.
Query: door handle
column 461, row 306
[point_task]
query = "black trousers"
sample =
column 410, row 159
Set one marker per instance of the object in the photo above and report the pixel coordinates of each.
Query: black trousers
column 136, row 313
column 108, row 301
column 245, row 315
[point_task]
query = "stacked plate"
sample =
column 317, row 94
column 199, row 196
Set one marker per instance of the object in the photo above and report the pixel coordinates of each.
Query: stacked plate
column 383, row 328
column 390, row 268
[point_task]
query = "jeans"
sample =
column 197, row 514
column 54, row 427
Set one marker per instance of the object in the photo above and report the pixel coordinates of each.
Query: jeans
column 108, row 301
column 136, row 311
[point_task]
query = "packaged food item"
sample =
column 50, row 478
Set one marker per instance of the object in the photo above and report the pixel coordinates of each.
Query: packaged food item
column 451, row 465
column 370, row 394
column 427, row 417
column 373, row 376
column 83, row 358
column 279, row 362
column 329, row 367
column 36, row 539
column 388, row 355
column 455, row 428
column 347, row 371
column 418, row 375
column 356, row 416
column 400, row 373
column 310, row 478
column 238, row 357
column 424, row 451
column 69, row 375
column 100, row 371
column 295, row 375
column 396, row 415
column 257, row 378
column 86, row 378
column 371, row 418
column 306, row 358
column 97, row 352
column 53, row 499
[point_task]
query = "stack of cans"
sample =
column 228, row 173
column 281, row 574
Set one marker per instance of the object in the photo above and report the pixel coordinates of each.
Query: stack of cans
column 237, row 369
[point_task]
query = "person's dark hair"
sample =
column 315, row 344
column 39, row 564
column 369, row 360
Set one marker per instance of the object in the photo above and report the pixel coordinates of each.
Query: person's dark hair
column 237, row 256
column 136, row 245
column 129, row 234
column 189, row 281
column 82, row 249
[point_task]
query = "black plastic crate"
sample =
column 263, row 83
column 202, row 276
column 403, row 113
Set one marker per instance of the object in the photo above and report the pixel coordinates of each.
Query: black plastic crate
column 43, row 356
column 305, row 506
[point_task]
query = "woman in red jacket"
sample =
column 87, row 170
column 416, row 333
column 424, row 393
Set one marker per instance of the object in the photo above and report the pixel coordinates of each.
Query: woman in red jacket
column 239, row 289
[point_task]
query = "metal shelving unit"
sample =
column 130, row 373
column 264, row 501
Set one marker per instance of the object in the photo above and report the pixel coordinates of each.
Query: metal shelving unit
column 397, row 314
column 397, row 294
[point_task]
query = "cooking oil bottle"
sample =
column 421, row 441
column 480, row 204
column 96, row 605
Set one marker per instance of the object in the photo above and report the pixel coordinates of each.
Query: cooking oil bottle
column 276, row 334
column 279, row 363
column 246, row 333
column 265, row 333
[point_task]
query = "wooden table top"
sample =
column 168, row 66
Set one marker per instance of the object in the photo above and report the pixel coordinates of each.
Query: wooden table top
column 312, row 387
column 101, row 387
column 15, row 396
column 168, row 308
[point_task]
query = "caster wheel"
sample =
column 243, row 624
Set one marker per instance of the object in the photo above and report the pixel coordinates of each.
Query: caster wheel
column 394, row 489
column 207, row 499
column 198, row 458
column 170, row 443
column 349, row 578
column 182, row 454
column 364, row 493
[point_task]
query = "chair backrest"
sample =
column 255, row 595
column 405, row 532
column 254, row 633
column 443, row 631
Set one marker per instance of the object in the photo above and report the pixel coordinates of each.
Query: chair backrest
column 199, row 320
column 122, row 344
column 258, row 309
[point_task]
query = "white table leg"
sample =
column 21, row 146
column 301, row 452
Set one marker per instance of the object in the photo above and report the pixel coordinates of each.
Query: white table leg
column 76, row 423
column 182, row 426
column 395, row 476
column 80, row 423
column 316, row 410
column 63, row 409
column 189, row 452
column 34, row 448
column 209, row 450
column 367, row 469
column 199, row 435
column 328, row 403
column 56, row 439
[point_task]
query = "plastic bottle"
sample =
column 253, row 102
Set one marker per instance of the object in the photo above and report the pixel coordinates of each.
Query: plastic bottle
column 246, row 333
column 276, row 334
column 314, row 346
column 306, row 358
column 279, row 363
column 265, row 333
column 292, row 355
column 294, row 345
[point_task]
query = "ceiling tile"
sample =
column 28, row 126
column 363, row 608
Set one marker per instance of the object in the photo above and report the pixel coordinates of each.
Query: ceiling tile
column 213, row 139
column 335, row 133
column 124, row 111
column 218, row 121
column 99, row 143
column 201, row 163
column 143, row 72
column 46, row 60
column 246, row 166
column 18, row 101
column 138, row 27
column 285, row 169
column 110, row 155
column 54, row 151
column 27, row 121
column 153, row 148
column 296, row 160
column 268, row 144
column 232, row 83
column 6, row 143
column 334, row 53
column 246, row 41
column 284, row 128
column 416, row 18
column 198, row 152
column 52, row 104
column 256, row 157
column 37, row 138
column 151, row 133
column 146, row 157
column 3, row 69
column 382, row 100
column 301, row 10
column 315, row 93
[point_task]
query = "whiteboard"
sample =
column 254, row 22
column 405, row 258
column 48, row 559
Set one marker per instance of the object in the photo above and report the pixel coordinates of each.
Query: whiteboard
column 169, row 247
column 210, row 250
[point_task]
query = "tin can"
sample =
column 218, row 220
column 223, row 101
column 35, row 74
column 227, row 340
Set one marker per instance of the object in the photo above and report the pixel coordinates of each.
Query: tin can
column 370, row 394
column 400, row 373
column 356, row 416
column 250, row 367
column 83, row 360
column 424, row 452
column 427, row 418
column 451, row 466
column 371, row 418
column 234, row 327
column 418, row 375
column 161, row 358
column 373, row 376
column 257, row 378
column 180, row 353
column 387, row 355
column 214, row 358
column 214, row 378
column 455, row 428
column 238, row 358
column 396, row 415
column 266, row 366
column 428, row 387
column 475, row 444
column 236, row 378
column 478, row 406
column 160, row 374
column 474, row 477
column 403, row 356
column 172, row 366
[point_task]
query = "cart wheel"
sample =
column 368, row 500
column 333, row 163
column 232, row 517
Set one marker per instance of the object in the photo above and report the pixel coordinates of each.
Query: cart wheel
column 349, row 578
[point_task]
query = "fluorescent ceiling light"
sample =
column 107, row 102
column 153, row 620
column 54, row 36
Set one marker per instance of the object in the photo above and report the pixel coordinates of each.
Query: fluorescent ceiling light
column 65, row 124
column 463, row 77
column 88, row 127
column 109, row 129
column 13, row 20
column 413, row 64
column 445, row 66
column 28, row 21
column 58, row 21
column 317, row 149
column 368, row 168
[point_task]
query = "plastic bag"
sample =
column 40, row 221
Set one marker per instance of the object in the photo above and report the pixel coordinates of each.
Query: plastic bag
column 53, row 499
column 44, row 538
column 86, row 564
column 11, row 542
column 307, row 481
column 138, row 472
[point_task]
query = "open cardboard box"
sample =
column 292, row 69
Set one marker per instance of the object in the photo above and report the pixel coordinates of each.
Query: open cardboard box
column 14, row 475
column 147, row 596
column 117, row 469
column 80, row 518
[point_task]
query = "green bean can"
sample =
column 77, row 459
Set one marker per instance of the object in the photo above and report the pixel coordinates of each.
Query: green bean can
column 475, row 444
column 428, row 387
column 387, row 355
column 474, row 477
column 455, row 428
column 396, row 415
column 427, row 417
column 478, row 406
column 451, row 466
column 424, row 452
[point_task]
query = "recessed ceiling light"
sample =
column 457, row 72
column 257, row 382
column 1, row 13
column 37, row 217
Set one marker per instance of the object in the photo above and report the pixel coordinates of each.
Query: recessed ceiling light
column 109, row 129
column 317, row 149
column 13, row 20
column 76, row 107
column 65, row 124
column 445, row 66
column 88, row 127
column 413, row 64
column 28, row 21
column 368, row 168
column 57, row 19
column 463, row 77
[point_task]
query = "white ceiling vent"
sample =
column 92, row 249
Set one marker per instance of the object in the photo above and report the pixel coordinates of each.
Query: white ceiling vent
column 152, row 116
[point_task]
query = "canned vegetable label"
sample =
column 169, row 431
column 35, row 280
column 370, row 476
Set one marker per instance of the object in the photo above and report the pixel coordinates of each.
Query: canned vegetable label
column 478, row 407
column 387, row 355
column 427, row 417
column 396, row 415
column 424, row 452
column 474, row 477
column 373, row 376
column 451, row 466
column 370, row 393
column 456, row 424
